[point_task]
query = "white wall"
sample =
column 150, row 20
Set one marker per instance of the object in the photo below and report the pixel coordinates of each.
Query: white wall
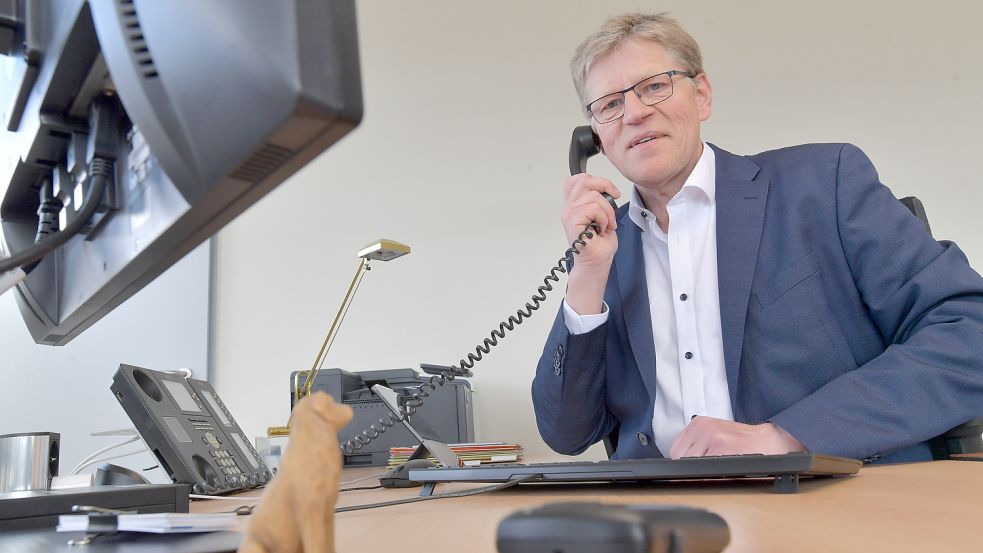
column 463, row 149
column 65, row 389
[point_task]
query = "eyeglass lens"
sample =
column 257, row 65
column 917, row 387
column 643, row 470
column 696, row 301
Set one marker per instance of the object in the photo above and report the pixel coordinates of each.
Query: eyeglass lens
column 651, row 91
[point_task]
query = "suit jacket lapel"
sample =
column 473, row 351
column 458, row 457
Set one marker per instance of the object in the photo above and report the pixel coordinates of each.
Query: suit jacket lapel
column 630, row 266
column 740, row 203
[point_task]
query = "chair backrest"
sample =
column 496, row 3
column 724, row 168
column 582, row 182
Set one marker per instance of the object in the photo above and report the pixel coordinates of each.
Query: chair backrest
column 965, row 438
column 611, row 441
column 915, row 206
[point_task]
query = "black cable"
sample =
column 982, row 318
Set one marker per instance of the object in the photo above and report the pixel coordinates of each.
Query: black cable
column 48, row 211
column 360, row 488
column 244, row 510
column 465, row 493
column 420, row 393
column 100, row 173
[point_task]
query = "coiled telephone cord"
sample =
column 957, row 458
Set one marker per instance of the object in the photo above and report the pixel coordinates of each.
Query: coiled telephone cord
column 419, row 394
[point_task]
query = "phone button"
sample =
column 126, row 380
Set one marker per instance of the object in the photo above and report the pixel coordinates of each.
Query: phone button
column 211, row 440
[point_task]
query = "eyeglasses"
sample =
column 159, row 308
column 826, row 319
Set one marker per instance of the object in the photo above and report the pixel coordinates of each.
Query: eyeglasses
column 651, row 91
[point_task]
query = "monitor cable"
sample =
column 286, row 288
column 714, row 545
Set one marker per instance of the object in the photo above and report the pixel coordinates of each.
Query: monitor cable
column 362, row 479
column 449, row 495
column 95, row 457
column 11, row 278
column 102, row 143
column 419, row 394
column 100, row 176
column 48, row 211
column 360, row 488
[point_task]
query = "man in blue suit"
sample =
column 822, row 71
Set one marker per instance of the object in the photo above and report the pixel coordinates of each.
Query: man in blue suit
column 772, row 303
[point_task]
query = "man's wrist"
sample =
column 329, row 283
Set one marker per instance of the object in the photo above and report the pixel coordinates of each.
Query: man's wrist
column 585, row 290
column 791, row 442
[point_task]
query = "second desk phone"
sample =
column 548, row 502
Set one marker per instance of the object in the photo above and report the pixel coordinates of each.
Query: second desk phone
column 189, row 430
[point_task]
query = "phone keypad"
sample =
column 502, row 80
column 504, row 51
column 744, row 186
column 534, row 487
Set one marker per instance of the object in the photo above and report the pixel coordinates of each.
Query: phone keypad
column 226, row 462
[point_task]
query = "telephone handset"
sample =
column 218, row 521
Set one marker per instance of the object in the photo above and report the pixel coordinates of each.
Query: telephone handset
column 189, row 430
column 583, row 144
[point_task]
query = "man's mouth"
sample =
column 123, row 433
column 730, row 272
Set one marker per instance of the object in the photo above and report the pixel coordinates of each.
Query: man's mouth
column 643, row 140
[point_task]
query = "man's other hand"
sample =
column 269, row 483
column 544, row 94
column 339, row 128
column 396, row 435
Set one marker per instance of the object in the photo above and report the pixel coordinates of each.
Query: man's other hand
column 709, row 436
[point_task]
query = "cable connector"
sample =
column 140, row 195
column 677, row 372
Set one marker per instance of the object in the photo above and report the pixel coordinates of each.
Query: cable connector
column 101, row 149
column 48, row 211
column 104, row 120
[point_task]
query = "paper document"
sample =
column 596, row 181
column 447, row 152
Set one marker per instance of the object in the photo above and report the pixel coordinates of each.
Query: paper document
column 157, row 523
column 471, row 454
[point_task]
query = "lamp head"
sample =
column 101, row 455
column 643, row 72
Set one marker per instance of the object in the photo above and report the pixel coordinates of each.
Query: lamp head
column 383, row 250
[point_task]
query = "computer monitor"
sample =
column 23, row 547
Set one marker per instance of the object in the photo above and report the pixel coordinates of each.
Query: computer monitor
column 182, row 112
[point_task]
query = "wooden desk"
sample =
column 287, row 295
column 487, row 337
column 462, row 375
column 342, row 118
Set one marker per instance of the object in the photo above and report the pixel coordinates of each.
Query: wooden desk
column 919, row 507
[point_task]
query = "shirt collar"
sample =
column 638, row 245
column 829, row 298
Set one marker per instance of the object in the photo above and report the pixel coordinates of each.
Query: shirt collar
column 701, row 182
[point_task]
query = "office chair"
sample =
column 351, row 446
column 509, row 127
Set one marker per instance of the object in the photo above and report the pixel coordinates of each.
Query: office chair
column 965, row 438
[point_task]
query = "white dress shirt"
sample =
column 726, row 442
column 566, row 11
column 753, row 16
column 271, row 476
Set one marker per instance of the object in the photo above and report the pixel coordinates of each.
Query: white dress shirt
column 684, row 303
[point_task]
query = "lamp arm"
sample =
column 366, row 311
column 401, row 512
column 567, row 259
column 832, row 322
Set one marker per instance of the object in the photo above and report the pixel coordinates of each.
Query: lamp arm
column 335, row 325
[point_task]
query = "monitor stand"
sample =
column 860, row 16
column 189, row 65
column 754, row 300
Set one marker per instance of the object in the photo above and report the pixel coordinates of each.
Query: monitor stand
column 429, row 444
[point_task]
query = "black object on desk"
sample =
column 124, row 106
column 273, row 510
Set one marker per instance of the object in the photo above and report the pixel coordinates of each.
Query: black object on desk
column 109, row 474
column 590, row 527
column 398, row 477
column 40, row 509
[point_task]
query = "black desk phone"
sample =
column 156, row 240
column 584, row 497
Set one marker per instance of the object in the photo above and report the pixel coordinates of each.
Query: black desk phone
column 583, row 144
column 189, row 430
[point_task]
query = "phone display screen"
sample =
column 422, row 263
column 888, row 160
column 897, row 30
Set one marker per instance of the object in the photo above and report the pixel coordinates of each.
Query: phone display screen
column 219, row 412
column 181, row 395
column 245, row 449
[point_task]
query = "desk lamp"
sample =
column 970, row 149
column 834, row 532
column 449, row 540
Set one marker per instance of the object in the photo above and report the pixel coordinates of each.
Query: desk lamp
column 380, row 250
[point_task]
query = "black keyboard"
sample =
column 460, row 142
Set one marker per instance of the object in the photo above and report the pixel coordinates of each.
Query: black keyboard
column 786, row 469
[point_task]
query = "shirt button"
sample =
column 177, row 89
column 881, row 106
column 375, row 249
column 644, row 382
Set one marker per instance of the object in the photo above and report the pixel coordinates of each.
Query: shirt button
column 642, row 438
column 688, row 355
column 645, row 214
column 683, row 297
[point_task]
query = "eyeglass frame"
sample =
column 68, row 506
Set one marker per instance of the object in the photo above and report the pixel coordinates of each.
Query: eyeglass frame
column 672, row 89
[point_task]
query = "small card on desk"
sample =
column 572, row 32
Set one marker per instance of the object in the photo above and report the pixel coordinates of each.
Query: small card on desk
column 157, row 523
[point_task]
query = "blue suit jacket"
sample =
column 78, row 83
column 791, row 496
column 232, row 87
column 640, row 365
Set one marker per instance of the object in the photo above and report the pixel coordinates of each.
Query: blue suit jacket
column 843, row 321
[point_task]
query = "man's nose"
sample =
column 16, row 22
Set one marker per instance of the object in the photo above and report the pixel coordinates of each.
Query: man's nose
column 635, row 109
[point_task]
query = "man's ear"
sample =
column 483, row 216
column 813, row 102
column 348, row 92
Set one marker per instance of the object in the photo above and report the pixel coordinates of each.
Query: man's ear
column 704, row 95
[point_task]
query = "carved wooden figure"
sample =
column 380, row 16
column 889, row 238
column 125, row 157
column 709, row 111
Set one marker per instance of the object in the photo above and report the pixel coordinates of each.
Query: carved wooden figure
column 296, row 512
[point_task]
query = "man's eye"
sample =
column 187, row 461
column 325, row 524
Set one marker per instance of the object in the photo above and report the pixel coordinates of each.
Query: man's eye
column 654, row 87
column 612, row 104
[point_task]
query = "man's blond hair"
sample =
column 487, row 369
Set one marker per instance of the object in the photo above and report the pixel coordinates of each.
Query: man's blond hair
column 617, row 30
